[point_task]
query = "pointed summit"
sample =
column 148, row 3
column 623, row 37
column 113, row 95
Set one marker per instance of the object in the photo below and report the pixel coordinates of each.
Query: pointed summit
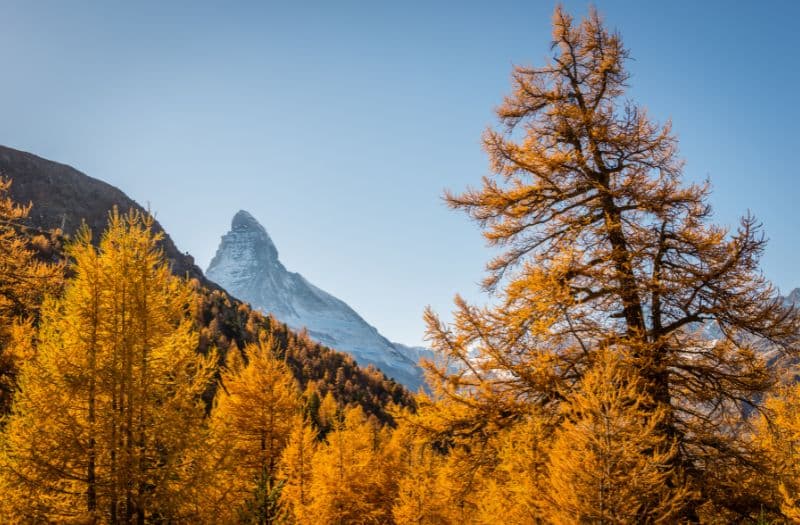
column 248, row 229
column 244, row 251
column 243, row 220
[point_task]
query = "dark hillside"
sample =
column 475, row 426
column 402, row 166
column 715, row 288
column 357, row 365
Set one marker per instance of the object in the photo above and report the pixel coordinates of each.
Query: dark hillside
column 63, row 197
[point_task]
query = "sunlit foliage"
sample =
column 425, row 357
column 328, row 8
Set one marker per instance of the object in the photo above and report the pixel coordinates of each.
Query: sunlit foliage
column 255, row 411
column 609, row 462
column 26, row 276
column 109, row 404
column 603, row 248
column 779, row 436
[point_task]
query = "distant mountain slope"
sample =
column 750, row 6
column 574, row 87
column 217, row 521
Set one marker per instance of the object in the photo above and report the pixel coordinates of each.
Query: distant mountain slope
column 793, row 297
column 63, row 197
column 247, row 264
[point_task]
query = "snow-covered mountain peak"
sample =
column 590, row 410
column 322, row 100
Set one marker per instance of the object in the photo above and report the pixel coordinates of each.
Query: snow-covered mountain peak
column 246, row 264
column 244, row 223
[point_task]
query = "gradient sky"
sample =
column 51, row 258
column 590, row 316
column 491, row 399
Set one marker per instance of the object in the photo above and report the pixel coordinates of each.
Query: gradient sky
column 339, row 124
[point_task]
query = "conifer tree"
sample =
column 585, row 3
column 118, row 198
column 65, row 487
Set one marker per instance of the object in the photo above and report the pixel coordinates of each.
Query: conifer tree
column 418, row 500
column 452, row 471
column 109, row 406
column 312, row 403
column 423, row 493
column 24, row 281
column 609, row 463
column 515, row 489
column 328, row 413
column 778, row 434
column 296, row 468
column 463, row 443
column 350, row 475
column 604, row 248
column 256, row 408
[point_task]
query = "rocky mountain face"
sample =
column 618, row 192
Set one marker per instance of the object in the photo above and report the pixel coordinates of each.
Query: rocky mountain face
column 247, row 265
column 63, row 198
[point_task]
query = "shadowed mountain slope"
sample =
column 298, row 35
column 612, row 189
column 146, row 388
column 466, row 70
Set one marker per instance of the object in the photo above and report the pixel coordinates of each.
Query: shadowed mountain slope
column 63, row 197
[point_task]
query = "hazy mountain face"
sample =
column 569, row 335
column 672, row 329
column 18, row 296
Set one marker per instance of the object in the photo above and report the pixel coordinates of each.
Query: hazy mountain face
column 247, row 265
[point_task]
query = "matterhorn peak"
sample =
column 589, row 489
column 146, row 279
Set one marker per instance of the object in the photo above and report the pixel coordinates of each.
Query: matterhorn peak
column 246, row 264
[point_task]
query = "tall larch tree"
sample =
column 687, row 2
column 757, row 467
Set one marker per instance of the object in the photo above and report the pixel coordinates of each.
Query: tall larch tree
column 296, row 468
column 24, row 281
column 351, row 477
column 778, row 434
column 515, row 491
column 601, row 468
column 424, row 495
column 603, row 247
column 109, row 406
column 257, row 406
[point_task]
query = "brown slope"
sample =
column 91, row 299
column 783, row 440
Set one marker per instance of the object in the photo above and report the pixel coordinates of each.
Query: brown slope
column 63, row 197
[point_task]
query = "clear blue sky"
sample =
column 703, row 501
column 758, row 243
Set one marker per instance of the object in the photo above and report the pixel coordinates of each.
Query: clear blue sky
column 338, row 125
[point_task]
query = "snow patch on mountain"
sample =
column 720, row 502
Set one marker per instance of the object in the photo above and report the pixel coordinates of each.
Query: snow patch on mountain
column 793, row 298
column 247, row 265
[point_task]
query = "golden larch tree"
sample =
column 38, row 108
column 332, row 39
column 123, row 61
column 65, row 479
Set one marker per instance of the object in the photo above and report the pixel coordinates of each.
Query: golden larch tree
column 296, row 468
column 422, row 497
column 603, row 247
column 609, row 463
column 24, row 281
column 109, row 406
column 351, row 477
column 778, row 434
column 514, row 492
column 328, row 413
column 424, row 494
column 458, row 455
column 255, row 410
